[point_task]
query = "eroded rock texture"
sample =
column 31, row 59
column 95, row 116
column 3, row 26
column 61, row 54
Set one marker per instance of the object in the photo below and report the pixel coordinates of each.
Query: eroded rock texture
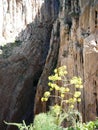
column 22, row 61
column 46, row 34
column 79, row 51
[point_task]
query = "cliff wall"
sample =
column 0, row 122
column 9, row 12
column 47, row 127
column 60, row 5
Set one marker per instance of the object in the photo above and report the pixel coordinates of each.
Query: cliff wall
column 25, row 40
column 78, row 50
column 36, row 36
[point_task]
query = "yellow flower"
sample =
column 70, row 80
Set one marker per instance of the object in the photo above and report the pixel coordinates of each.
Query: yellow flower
column 47, row 94
column 45, row 99
column 62, row 95
column 79, row 81
column 61, row 73
column 79, row 100
column 42, row 99
column 59, row 78
column 71, row 106
column 57, row 109
column 76, row 81
column 57, row 88
column 52, row 86
column 77, row 94
column 71, row 100
column 55, row 71
column 49, row 77
column 62, row 67
column 65, row 72
column 54, row 77
column 51, row 89
column 62, row 90
column 81, row 86
column 74, row 99
column 67, row 89
column 77, row 86
column 49, row 84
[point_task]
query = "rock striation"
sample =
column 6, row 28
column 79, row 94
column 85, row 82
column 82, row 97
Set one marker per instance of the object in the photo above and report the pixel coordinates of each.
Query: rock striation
column 78, row 50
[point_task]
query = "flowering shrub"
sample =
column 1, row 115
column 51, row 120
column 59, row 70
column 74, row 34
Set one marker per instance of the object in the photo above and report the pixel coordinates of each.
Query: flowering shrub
column 65, row 88
column 68, row 93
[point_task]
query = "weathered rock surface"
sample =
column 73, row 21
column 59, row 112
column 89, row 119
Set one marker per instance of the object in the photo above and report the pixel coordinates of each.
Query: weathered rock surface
column 51, row 62
column 47, row 34
column 19, row 74
column 22, row 61
column 79, row 51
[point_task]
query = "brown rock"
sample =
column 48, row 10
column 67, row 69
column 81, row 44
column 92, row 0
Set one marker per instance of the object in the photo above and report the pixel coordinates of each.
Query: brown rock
column 45, row 40
column 22, row 61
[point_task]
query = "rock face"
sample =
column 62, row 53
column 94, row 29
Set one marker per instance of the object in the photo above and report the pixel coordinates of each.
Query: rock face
column 17, row 14
column 36, row 36
column 78, row 51
column 50, row 64
column 22, row 61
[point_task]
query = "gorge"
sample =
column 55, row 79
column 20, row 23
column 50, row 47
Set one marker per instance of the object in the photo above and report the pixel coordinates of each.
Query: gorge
column 37, row 36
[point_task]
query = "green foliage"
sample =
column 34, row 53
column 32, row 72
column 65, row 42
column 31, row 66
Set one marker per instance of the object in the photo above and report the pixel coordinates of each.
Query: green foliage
column 96, row 123
column 42, row 121
column 45, row 121
column 21, row 126
column 8, row 48
column 91, row 125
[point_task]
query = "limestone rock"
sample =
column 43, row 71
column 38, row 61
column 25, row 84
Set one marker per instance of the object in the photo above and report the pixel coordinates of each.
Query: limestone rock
column 22, row 60
column 78, row 51
column 81, row 52
column 40, row 35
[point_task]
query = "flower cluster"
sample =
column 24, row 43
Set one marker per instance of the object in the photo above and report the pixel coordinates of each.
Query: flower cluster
column 64, row 89
column 77, row 81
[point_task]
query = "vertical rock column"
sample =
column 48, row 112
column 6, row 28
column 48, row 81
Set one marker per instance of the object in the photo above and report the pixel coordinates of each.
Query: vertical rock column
column 91, row 79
